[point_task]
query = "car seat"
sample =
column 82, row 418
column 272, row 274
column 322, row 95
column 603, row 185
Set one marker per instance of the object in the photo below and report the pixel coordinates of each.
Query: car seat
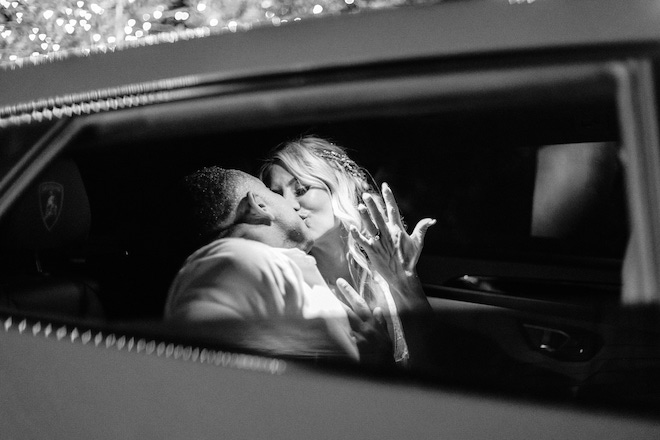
column 42, row 242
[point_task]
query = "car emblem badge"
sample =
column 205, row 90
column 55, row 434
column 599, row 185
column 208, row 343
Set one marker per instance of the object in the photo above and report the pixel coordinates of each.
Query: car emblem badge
column 51, row 198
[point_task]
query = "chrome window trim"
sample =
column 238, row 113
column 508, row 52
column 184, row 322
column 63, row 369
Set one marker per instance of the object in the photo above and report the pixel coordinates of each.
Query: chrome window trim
column 158, row 347
column 115, row 98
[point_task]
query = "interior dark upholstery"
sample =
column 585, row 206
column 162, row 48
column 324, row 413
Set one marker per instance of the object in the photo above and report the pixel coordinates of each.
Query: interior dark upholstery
column 43, row 248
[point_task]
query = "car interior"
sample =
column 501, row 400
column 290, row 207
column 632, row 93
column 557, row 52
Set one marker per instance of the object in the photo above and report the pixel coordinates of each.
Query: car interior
column 525, row 177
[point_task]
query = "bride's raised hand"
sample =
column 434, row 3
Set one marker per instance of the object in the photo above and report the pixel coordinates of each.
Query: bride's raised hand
column 388, row 244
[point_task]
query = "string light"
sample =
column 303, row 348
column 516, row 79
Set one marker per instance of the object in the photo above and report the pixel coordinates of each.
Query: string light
column 36, row 28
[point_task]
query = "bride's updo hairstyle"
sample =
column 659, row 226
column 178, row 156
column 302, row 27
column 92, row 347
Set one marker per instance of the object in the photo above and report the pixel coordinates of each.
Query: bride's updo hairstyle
column 316, row 162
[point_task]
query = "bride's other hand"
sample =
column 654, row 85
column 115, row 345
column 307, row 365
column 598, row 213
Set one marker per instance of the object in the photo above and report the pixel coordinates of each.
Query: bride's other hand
column 369, row 327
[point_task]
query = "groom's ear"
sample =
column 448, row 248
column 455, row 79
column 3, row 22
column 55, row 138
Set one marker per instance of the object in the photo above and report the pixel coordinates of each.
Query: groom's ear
column 253, row 209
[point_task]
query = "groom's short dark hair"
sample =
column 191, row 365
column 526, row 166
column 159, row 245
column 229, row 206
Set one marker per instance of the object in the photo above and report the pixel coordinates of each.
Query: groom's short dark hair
column 208, row 199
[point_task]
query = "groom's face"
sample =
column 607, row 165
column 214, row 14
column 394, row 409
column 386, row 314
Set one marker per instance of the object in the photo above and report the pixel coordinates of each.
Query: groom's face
column 288, row 228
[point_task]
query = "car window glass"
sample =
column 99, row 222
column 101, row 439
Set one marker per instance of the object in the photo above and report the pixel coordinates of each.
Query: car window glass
column 524, row 260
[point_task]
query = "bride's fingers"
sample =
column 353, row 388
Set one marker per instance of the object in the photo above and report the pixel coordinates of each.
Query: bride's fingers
column 379, row 217
column 380, row 203
column 362, row 240
column 355, row 322
column 392, row 208
column 367, row 221
column 356, row 302
column 421, row 228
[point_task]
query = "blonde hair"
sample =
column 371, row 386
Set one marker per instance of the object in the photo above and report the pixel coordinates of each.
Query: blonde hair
column 317, row 162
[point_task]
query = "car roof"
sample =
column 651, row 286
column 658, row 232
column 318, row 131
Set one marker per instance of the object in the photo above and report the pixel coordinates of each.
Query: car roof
column 445, row 30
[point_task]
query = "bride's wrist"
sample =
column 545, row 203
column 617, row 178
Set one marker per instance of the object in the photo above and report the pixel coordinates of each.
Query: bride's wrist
column 410, row 293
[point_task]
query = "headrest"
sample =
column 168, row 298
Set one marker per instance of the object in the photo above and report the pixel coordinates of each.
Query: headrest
column 53, row 212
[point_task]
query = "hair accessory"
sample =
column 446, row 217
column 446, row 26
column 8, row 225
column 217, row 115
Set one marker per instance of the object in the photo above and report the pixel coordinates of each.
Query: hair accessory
column 343, row 162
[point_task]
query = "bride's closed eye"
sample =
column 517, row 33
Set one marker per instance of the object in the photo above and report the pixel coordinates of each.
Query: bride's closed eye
column 300, row 189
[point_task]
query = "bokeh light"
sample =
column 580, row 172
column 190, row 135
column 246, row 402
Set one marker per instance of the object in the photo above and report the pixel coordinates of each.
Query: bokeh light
column 36, row 29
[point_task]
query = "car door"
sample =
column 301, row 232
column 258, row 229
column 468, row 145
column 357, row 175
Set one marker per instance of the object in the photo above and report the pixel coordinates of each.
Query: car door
column 539, row 165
